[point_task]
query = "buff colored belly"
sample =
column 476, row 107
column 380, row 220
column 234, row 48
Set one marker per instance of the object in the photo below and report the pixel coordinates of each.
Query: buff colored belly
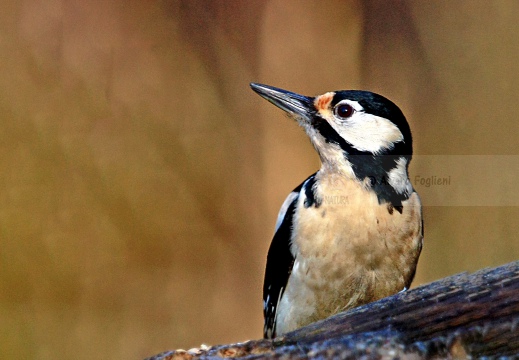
column 352, row 251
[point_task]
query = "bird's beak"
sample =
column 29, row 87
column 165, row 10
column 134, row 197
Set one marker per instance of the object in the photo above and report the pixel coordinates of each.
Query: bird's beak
column 294, row 104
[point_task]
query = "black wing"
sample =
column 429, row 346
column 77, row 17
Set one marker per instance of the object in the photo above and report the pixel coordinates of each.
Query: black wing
column 279, row 263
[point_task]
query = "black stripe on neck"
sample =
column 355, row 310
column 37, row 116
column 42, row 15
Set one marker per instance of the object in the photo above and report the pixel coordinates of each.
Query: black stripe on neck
column 367, row 165
column 376, row 168
column 311, row 197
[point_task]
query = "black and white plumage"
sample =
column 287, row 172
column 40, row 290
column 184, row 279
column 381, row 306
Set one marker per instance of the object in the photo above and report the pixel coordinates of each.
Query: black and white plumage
column 352, row 232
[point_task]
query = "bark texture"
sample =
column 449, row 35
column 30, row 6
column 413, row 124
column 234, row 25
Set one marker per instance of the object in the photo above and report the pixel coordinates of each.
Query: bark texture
column 466, row 315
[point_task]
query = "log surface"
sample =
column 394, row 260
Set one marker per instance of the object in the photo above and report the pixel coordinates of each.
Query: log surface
column 464, row 315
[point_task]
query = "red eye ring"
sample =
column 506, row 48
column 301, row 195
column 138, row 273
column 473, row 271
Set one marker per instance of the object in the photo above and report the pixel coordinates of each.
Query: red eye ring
column 344, row 111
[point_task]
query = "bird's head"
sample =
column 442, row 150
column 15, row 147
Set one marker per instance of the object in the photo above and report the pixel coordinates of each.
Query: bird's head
column 358, row 133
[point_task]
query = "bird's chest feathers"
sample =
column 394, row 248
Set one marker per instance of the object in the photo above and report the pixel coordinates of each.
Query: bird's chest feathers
column 347, row 229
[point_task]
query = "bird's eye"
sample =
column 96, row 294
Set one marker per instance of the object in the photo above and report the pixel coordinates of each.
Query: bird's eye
column 344, row 111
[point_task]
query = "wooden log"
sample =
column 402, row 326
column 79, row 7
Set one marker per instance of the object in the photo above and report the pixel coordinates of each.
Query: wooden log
column 465, row 315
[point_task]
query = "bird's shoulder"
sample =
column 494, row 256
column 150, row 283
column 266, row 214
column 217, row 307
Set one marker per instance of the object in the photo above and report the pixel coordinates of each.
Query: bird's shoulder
column 280, row 258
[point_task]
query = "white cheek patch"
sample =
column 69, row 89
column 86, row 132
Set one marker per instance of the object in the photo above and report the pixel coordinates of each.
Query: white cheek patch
column 366, row 132
column 398, row 178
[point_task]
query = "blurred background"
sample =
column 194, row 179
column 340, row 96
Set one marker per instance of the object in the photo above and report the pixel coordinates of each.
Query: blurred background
column 141, row 177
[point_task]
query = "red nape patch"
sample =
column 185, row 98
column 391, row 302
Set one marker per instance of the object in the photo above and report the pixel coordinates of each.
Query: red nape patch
column 323, row 101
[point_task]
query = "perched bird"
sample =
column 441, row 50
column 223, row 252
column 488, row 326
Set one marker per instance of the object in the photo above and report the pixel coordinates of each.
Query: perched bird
column 352, row 232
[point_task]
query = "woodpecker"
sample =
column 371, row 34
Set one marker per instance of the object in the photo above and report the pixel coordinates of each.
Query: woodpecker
column 352, row 232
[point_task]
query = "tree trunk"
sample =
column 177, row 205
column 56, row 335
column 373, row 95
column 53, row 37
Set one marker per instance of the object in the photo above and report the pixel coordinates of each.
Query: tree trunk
column 463, row 315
